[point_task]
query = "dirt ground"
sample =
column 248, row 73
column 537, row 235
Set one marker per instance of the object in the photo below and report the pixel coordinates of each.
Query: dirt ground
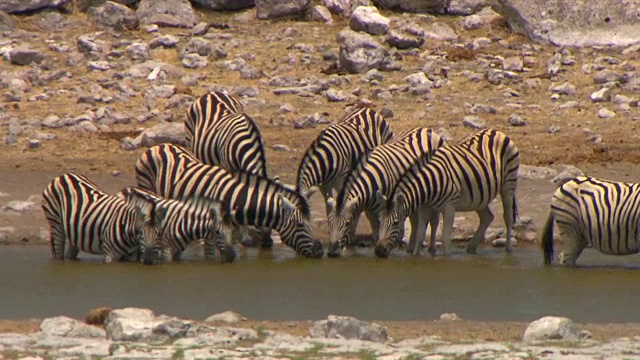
column 25, row 172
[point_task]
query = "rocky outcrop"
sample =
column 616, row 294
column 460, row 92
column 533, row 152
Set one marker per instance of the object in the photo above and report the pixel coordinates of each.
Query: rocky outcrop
column 344, row 7
column 369, row 20
column 278, row 9
column 360, row 52
column 420, row 6
column 466, row 7
column 574, row 23
column 551, row 328
column 114, row 15
column 19, row 6
column 346, row 327
column 225, row 5
column 171, row 13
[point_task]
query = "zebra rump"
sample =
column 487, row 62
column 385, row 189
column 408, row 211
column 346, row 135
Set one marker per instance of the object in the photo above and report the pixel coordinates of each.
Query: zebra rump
column 184, row 221
column 336, row 150
column 168, row 170
column 83, row 218
column 593, row 212
column 218, row 132
column 377, row 172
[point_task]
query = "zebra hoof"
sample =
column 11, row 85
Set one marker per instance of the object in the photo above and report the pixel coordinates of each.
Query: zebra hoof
column 228, row 255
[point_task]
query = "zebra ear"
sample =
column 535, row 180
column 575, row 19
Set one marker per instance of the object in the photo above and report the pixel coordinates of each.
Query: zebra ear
column 331, row 202
column 159, row 214
column 288, row 205
column 380, row 198
column 398, row 200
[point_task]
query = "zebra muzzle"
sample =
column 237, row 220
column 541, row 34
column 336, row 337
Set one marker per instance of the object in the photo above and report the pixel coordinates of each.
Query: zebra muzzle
column 382, row 251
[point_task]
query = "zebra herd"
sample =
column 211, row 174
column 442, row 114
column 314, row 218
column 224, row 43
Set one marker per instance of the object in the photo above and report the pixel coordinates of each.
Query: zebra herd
column 219, row 184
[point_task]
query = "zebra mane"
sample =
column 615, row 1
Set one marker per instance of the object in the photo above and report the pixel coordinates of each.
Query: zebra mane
column 300, row 201
column 353, row 175
column 223, row 212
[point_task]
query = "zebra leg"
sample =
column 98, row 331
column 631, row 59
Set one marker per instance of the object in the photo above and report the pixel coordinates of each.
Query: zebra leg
column 448, row 215
column 486, row 217
column 574, row 243
column 266, row 242
column 508, row 211
column 58, row 240
column 419, row 230
column 72, row 252
column 352, row 229
column 414, row 226
column 433, row 224
column 374, row 221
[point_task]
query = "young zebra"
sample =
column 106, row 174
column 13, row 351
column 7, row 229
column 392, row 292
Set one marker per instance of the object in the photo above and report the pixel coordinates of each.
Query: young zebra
column 593, row 212
column 379, row 170
column 218, row 132
column 183, row 221
column 462, row 177
column 254, row 200
column 83, row 218
column 335, row 151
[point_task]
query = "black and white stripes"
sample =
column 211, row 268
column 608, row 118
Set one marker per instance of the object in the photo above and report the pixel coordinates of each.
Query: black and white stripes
column 593, row 212
column 83, row 218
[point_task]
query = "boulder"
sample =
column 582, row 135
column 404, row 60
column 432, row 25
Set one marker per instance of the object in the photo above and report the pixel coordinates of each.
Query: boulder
column 68, row 327
column 360, row 52
column 143, row 70
column 170, row 13
column 369, row 20
column 419, row 6
column 321, row 14
column 346, row 327
column 403, row 40
column 225, row 5
column 6, row 22
column 466, row 7
column 551, row 328
column 19, row 6
column 277, row 9
column 163, row 133
column 574, row 23
column 24, row 56
column 114, row 15
column 229, row 317
column 129, row 324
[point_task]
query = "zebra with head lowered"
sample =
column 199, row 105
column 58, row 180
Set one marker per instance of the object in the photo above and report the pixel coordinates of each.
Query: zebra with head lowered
column 462, row 177
column 218, row 132
column 378, row 171
column 182, row 222
column 170, row 171
column 332, row 155
column 599, row 213
column 83, row 218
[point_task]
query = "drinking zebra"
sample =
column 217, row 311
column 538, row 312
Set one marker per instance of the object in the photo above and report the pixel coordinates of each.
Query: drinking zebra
column 182, row 222
column 593, row 212
column 218, row 132
column 170, row 171
column 378, row 171
column 83, row 218
column 462, row 177
column 335, row 151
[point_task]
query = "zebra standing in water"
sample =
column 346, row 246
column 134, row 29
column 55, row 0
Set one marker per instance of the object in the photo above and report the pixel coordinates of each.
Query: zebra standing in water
column 594, row 212
column 182, row 222
column 218, row 132
column 334, row 153
column 83, row 218
column 462, row 177
column 377, row 171
column 170, row 171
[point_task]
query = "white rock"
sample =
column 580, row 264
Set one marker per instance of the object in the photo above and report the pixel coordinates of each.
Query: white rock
column 605, row 113
column 601, row 95
column 321, row 14
column 474, row 122
column 347, row 327
column 68, row 327
column 20, row 206
column 229, row 317
column 369, row 20
column 551, row 328
column 129, row 324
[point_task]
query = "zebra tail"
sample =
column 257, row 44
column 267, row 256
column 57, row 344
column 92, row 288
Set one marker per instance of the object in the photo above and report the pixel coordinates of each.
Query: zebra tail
column 547, row 239
column 515, row 210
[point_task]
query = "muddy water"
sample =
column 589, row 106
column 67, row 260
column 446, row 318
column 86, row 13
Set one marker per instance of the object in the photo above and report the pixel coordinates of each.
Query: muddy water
column 280, row 286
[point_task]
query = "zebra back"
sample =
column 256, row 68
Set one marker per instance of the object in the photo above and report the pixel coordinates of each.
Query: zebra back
column 220, row 133
column 604, row 214
column 336, row 150
column 86, row 219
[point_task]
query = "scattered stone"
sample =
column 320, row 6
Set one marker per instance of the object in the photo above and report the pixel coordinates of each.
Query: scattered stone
column 67, row 327
column 345, row 327
column 516, row 120
column 194, row 61
column 138, row 51
column 114, row 15
column 225, row 5
column 312, row 121
column 21, row 6
column 321, row 14
column 563, row 89
column 605, row 113
column 20, row 206
column 440, row 31
column 369, row 20
column 551, row 328
column 553, row 129
column 334, row 95
column 278, row 9
column 513, row 63
column 602, row 95
column 166, row 41
column 414, row 6
column 360, row 52
column 535, row 172
column 25, row 56
column 474, row 122
column 569, row 105
column 622, row 99
column 569, row 172
column 449, row 317
column 163, row 133
column 608, row 76
column 403, row 40
column 485, row 17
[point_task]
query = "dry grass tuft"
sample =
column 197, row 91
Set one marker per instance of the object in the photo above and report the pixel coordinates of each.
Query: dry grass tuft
column 97, row 316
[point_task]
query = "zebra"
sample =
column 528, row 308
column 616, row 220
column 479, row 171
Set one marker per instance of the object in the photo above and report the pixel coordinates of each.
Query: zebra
column 218, row 132
column 377, row 171
column 170, row 171
column 184, row 221
column 462, row 177
column 596, row 213
column 83, row 218
column 332, row 155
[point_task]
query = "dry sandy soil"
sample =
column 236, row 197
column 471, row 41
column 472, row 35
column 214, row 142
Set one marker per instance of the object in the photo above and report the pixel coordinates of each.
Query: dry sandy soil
column 24, row 172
